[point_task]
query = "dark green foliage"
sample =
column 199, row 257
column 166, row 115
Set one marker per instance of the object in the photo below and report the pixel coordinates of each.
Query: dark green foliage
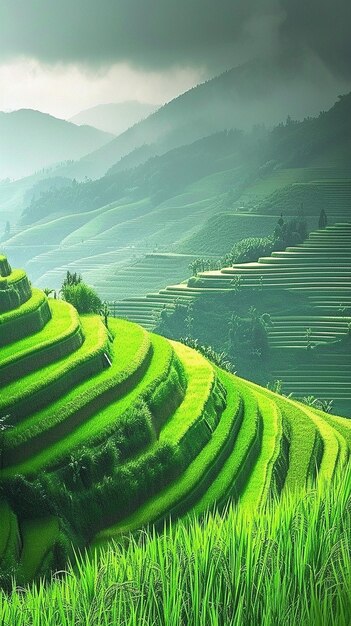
column 9, row 298
column 204, row 265
column 14, row 293
column 71, row 278
column 323, row 220
column 250, row 249
column 286, row 233
column 60, row 553
column 132, row 433
column 27, row 499
column 82, row 297
column 119, row 491
column 105, row 313
column 249, row 334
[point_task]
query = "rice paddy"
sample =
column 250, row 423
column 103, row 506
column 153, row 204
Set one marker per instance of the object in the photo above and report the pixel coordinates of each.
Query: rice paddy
column 309, row 341
column 108, row 430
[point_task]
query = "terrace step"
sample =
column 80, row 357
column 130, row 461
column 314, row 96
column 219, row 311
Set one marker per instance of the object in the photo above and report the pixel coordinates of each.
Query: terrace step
column 257, row 488
column 82, row 406
column 15, row 290
column 234, row 475
column 179, row 495
column 28, row 318
column 34, row 391
column 61, row 336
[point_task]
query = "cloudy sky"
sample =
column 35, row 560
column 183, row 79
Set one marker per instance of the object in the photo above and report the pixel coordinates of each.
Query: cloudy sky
column 62, row 56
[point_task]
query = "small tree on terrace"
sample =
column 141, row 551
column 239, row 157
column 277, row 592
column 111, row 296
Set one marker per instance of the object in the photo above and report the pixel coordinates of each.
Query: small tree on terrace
column 82, row 297
column 323, row 220
column 71, row 279
column 105, row 313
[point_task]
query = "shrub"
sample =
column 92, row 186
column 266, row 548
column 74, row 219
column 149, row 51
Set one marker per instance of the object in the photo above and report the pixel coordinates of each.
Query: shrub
column 27, row 499
column 82, row 297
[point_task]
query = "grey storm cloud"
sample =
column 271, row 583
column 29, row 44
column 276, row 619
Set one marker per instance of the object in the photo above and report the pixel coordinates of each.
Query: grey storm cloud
column 155, row 34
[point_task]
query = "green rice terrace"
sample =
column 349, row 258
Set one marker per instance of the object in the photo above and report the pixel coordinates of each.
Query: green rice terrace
column 309, row 337
column 105, row 430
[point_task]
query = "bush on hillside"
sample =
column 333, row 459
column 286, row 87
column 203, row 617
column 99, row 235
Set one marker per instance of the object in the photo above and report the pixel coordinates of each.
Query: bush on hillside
column 82, row 297
column 71, row 278
column 27, row 499
column 249, row 250
column 249, row 335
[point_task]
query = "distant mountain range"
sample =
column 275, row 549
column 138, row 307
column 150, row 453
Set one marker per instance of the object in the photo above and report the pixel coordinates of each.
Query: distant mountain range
column 165, row 202
column 252, row 94
column 116, row 117
column 294, row 144
column 31, row 140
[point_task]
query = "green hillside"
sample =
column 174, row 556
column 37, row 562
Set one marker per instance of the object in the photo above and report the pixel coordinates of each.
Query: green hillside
column 104, row 430
column 304, row 287
column 198, row 198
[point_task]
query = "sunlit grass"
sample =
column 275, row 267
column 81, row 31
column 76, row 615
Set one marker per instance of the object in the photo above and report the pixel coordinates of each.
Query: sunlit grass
column 289, row 565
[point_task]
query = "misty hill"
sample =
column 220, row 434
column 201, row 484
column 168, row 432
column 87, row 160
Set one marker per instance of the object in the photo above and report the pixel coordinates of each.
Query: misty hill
column 162, row 205
column 246, row 156
column 255, row 93
column 115, row 117
column 31, row 140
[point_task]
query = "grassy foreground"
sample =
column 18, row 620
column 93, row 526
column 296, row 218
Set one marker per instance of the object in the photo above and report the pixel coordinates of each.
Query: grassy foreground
column 289, row 565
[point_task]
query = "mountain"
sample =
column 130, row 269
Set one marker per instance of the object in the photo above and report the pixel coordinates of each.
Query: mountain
column 115, row 117
column 250, row 156
column 251, row 94
column 163, row 205
column 31, row 140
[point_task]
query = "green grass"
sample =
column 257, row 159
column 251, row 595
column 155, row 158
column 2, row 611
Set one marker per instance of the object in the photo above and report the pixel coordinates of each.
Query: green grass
column 35, row 311
column 170, row 497
column 101, row 449
column 128, row 357
column 38, row 538
column 289, row 565
column 237, row 465
column 34, row 351
column 101, row 219
column 258, row 485
column 223, row 230
column 103, row 420
column 23, row 396
column 200, row 382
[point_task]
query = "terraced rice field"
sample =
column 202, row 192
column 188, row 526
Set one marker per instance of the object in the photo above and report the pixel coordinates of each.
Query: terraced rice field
column 147, row 274
column 107, row 430
column 320, row 271
column 332, row 184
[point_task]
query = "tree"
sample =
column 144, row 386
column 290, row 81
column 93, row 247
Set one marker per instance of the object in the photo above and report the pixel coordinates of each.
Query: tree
column 71, row 279
column 189, row 320
column 323, row 220
column 105, row 313
column 308, row 333
column 49, row 291
column 82, row 297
